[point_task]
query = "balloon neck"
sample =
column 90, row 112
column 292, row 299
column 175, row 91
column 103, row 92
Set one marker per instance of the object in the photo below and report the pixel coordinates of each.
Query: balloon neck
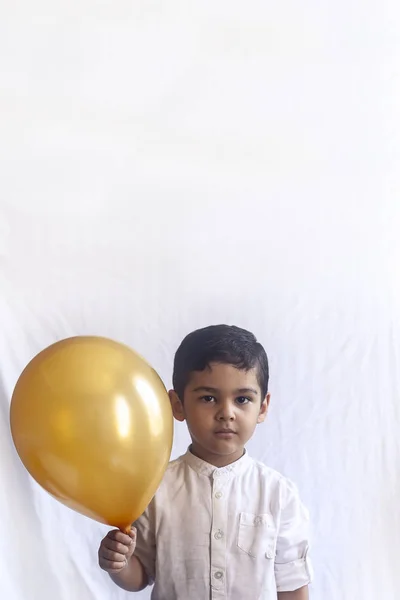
column 126, row 529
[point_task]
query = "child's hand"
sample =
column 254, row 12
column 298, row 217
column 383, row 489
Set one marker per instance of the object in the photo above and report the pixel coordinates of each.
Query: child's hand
column 116, row 549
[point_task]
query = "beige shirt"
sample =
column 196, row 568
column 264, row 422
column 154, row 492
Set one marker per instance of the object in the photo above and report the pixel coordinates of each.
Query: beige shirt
column 238, row 532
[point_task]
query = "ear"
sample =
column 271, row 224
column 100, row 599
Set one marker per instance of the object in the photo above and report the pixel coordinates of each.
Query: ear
column 176, row 405
column 264, row 408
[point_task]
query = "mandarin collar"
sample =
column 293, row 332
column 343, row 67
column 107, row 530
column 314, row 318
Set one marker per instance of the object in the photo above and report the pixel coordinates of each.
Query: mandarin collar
column 204, row 468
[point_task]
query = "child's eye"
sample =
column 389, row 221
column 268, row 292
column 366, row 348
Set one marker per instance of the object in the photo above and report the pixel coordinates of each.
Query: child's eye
column 208, row 399
column 243, row 400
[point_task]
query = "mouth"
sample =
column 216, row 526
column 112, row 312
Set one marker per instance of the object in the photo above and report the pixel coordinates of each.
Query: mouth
column 225, row 433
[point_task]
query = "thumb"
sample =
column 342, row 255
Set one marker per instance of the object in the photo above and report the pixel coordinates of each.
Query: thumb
column 132, row 533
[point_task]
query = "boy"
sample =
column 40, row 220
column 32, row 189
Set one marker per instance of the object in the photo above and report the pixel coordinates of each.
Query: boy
column 221, row 525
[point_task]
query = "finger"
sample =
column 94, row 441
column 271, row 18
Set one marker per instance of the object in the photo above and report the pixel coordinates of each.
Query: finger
column 117, row 536
column 112, row 566
column 116, row 546
column 133, row 534
column 113, row 556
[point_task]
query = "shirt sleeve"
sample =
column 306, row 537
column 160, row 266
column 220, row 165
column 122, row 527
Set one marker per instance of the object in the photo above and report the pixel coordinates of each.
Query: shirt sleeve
column 293, row 568
column 145, row 543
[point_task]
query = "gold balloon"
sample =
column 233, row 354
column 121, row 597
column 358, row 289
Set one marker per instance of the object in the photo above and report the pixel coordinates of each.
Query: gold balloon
column 92, row 423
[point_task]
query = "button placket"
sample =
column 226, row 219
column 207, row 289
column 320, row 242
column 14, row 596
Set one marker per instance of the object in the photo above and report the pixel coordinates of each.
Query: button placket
column 218, row 537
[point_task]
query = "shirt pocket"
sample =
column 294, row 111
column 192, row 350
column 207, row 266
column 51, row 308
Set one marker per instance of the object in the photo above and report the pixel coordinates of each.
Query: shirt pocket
column 257, row 535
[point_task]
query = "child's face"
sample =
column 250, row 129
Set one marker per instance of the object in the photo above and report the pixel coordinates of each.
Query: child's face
column 222, row 406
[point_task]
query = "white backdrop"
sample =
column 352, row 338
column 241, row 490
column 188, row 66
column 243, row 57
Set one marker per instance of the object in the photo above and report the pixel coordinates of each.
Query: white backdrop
column 168, row 165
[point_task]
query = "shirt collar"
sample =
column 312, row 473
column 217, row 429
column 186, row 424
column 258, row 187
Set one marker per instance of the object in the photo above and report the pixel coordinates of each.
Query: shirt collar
column 204, row 468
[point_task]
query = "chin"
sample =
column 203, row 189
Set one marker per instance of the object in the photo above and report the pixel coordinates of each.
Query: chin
column 224, row 448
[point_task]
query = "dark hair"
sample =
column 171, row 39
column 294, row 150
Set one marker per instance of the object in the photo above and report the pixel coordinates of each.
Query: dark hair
column 225, row 344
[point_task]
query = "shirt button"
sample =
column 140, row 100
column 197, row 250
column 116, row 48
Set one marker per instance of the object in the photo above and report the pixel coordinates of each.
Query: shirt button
column 219, row 535
column 269, row 554
column 218, row 574
column 218, row 495
column 258, row 521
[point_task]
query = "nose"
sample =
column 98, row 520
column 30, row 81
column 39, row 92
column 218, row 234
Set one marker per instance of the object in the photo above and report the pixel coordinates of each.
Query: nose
column 226, row 412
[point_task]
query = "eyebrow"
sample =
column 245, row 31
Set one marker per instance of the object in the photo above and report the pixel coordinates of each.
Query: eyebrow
column 213, row 390
column 246, row 391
